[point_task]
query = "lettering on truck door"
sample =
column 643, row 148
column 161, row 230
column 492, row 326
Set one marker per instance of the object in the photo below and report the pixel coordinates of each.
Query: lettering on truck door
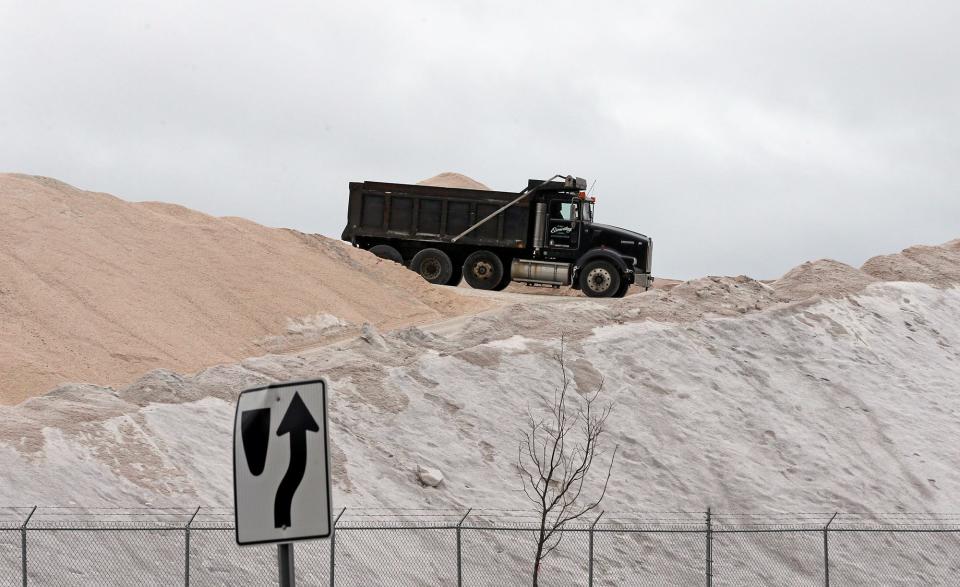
column 562, row 229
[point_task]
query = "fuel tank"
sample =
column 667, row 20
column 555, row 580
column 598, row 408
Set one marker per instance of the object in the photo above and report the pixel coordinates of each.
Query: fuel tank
column 546, row 272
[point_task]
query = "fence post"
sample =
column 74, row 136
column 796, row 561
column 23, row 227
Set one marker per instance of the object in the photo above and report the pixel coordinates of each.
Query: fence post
column 590, row 560
column 186, row 548
column 23, row 546
column 826, row 552
column 709, row 549
column 459, row 551
column 333, row 544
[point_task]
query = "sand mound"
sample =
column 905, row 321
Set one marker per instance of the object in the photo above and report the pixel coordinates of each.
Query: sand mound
column 449, row 179
column 96, row 289
column 825, row 277
column 936, row 265
column 694, row 299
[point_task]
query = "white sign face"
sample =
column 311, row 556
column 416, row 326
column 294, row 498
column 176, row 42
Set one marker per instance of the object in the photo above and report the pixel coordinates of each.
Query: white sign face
column 281, row 467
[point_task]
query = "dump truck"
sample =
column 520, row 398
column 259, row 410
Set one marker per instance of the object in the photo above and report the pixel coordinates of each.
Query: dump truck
column 544, row 235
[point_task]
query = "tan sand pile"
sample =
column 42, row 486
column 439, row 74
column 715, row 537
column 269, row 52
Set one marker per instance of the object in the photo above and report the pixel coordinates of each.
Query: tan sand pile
column 936, row 265
column 813, row 280
column 694, row 299
column 661, row 283
column 96, row 289
column 449, row 179
column 825, row 277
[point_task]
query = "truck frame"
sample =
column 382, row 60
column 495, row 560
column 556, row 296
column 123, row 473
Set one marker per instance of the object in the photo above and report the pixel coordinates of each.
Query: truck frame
column 544, row 235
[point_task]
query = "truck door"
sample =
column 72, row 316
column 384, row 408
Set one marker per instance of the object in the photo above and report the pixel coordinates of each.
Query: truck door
column 563, row 228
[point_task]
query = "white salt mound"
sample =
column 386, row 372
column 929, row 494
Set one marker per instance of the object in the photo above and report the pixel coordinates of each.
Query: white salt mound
column 702, row 410
column 449, row 179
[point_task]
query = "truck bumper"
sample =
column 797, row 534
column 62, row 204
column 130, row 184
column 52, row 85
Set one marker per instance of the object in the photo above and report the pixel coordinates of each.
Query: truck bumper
column 644, row 280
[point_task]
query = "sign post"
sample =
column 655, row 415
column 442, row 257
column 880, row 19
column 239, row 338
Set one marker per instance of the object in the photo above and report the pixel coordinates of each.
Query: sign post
column 285, row 561
column 281, row 468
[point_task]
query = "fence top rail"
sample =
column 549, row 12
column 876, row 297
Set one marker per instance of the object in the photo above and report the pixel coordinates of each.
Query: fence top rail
column 395, row 525
column 86, row 518
column 204, row 517
column 407, row 518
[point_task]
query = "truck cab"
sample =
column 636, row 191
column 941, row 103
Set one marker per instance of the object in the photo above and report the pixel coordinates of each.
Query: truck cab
column 569, row 234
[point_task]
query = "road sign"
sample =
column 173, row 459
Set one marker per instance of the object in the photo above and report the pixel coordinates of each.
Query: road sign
column 281, row 465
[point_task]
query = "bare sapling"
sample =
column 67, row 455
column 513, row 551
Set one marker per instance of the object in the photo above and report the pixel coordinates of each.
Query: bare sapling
column 556, row 454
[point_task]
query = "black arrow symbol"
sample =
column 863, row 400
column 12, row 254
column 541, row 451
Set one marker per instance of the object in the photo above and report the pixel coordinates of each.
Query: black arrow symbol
column 296, row 421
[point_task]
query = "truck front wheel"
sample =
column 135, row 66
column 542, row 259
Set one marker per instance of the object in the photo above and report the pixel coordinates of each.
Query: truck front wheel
column 483, row 270
column 433, row 265
column 599, row 279
column 624, row 288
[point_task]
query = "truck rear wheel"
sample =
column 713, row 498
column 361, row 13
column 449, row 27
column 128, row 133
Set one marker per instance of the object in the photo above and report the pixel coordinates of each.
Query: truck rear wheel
column 387, row 252
column 483, row 270
column 506, row 279
column 600, row 279
column 433, row 265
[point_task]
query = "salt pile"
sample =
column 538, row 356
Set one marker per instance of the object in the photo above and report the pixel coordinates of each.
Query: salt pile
column 934, row 265
column 829, row 388
column 449, row 179
column 838, row 404
column 93, row 288
column 825, row 277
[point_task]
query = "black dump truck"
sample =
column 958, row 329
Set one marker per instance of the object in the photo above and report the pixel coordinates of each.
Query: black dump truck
column 543, row 235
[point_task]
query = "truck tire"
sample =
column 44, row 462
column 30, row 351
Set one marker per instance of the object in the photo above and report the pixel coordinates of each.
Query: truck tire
column 599, row 279
column 433, row 265
column 483, row 270
column 506, row 279
column 387, row 252
column 624, row 288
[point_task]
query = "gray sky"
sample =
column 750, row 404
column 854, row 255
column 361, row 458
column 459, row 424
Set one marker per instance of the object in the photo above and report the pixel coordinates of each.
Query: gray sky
column 744, row 137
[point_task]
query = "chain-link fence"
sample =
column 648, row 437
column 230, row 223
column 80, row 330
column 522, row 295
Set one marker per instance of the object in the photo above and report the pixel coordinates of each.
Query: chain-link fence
column 196, row 546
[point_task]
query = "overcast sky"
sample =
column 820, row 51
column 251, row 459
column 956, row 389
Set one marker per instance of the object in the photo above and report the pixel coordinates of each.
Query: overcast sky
column 744, row 137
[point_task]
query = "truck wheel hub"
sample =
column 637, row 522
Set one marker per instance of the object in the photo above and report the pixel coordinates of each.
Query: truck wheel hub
column 482, row 269
column 430, row 269
column 599, row 279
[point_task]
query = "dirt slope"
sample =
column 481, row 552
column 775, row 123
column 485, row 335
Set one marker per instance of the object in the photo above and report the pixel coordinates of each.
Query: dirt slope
column 97, row 289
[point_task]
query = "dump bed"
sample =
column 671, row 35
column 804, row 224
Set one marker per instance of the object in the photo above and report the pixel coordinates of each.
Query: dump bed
column 434, row 214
